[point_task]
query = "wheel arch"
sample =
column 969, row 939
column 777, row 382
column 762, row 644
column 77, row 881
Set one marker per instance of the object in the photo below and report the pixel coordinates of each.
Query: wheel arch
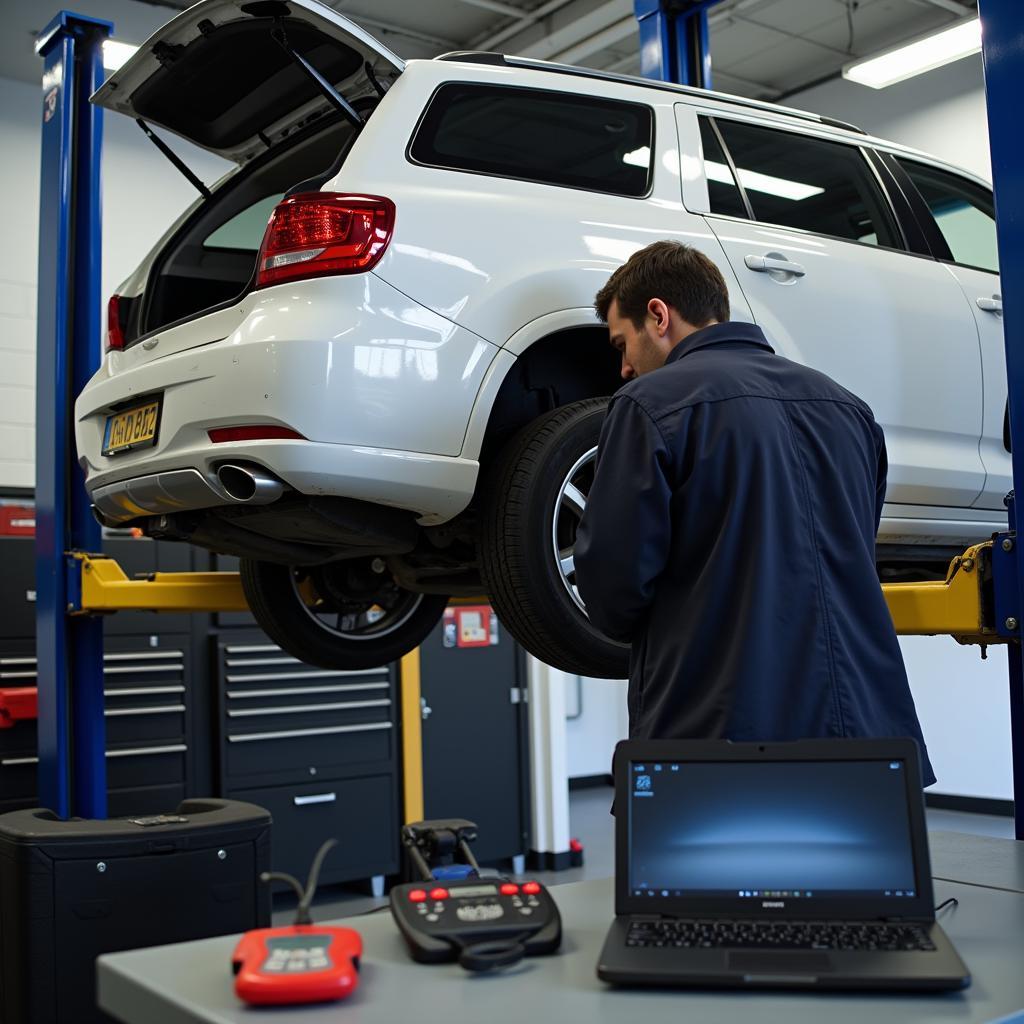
column 565, row 364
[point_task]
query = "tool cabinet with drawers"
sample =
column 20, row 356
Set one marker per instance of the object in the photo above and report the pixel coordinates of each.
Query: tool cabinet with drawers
column 317, row 748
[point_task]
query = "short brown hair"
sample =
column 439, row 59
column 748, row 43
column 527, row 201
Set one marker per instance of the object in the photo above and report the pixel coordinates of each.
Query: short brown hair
column 681, row 276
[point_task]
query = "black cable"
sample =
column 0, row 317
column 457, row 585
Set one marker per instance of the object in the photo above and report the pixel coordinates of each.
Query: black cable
column 302, row 911
column 489, row 955
column 281, row 876
column 951, row 902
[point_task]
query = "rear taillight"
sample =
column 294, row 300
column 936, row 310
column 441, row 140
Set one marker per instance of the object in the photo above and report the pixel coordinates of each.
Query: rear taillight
column 316, row 233
column 115, row 336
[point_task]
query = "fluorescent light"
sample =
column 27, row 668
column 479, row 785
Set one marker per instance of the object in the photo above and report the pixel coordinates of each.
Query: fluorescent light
column 756, row 182
column 933, row 51
column 638, row 157
column 115, row 54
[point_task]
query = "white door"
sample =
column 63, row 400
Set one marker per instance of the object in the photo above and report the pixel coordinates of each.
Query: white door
column 962, row 213
column 821, row 262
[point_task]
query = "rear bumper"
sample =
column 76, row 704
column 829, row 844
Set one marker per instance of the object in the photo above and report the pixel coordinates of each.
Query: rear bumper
column 434, row 486
column 381, row 387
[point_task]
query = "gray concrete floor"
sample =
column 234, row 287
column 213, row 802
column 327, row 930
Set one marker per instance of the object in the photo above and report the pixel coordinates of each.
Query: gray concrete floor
column 591, row 823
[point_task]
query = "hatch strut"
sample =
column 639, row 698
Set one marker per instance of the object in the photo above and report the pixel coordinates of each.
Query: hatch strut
column 333, row 96
column 173, row 157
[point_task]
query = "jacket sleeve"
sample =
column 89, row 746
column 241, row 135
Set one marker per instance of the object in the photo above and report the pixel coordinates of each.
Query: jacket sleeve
column 623, row 541
column 882, row 474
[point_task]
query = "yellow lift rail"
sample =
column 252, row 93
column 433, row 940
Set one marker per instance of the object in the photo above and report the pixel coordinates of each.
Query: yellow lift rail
column 960, row 605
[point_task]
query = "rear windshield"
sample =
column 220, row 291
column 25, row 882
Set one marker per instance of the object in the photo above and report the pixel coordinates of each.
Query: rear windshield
column 555, row 138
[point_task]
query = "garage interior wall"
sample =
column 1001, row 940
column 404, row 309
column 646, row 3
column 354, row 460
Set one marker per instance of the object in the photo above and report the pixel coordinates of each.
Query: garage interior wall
column 142, row 195
column 962, row 701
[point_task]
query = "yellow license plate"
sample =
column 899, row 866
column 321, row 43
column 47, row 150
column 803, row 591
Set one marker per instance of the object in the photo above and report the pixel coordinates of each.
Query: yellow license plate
column 132, row 428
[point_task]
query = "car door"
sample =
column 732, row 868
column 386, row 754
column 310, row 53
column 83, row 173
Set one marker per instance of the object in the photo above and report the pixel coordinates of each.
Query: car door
column 959, row 215
column 822, row 263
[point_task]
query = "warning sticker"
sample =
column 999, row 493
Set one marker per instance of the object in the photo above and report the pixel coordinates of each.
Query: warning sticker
column 470, row 626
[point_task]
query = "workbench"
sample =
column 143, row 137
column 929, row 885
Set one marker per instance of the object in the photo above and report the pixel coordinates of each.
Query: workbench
column 191, row 983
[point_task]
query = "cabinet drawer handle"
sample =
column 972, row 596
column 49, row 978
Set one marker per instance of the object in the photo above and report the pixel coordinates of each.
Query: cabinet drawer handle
column 316, row 798
column 171, row 748
column 285, row 734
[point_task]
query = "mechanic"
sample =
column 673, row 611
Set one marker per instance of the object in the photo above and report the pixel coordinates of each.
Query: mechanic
column 729, row 535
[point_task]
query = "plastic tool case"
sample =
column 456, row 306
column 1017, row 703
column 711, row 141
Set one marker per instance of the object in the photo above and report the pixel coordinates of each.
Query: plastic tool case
column 71, row 890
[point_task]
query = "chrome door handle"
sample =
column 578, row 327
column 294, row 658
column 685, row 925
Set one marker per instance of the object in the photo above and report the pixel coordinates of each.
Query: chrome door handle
column 425, row 709
column 993, row 304
column 767, row 264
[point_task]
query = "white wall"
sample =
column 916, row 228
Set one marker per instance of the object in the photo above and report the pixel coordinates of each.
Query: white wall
column 142, row 194
column 591, row 737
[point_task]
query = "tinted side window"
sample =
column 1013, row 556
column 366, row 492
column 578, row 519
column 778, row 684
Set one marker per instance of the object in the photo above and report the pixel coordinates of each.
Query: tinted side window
column 808, row 183
column 550, row 137
column 723, row 192
column 963, row 212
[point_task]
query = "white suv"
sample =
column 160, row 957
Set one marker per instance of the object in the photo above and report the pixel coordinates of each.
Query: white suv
column 391, row 394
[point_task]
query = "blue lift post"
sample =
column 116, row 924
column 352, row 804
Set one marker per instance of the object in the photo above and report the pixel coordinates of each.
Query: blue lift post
column 675, row 44
column 69, row 651
column 1003, row 50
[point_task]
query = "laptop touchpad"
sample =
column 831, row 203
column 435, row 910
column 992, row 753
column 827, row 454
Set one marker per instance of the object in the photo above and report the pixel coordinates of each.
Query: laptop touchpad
column 780, row 963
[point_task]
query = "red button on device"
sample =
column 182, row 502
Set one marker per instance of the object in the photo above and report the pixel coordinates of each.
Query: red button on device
column 417, row 895
column 439, row 894
column 531, row 888
column 508, row 889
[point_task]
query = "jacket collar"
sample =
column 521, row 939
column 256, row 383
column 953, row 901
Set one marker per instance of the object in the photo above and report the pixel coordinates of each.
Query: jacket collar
column 717, row 334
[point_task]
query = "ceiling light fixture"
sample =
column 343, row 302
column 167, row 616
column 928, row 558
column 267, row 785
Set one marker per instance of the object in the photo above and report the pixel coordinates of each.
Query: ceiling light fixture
column 115, row 54
column 961, row 40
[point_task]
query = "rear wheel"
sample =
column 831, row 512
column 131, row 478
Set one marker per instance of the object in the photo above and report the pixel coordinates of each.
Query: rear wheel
column 344, row 615
column 530, row 513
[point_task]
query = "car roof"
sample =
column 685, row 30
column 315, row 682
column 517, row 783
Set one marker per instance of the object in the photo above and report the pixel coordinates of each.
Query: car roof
column 486, row 57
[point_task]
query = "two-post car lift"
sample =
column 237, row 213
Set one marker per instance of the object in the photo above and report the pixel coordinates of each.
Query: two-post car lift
column 979, row 602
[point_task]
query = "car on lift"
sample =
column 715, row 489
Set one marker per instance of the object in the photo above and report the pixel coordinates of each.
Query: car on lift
column 366, row 362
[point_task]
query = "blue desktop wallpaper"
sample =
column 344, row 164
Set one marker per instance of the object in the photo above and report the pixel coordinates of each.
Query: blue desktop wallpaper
column 782, row 826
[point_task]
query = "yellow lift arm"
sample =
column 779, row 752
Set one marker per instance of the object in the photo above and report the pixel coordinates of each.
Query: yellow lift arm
column 960, row 605
column 103, row 587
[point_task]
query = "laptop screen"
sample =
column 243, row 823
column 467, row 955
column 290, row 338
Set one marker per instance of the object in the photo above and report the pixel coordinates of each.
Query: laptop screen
column 770, row 831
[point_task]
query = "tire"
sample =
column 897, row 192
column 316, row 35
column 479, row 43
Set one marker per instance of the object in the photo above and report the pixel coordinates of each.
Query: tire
column 516, row 541
column 331, row 615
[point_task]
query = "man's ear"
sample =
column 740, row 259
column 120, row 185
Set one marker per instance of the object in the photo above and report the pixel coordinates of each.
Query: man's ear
column 658, row 309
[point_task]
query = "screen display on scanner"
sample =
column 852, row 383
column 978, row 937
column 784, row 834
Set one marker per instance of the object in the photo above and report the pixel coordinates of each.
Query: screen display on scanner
column 770, row 830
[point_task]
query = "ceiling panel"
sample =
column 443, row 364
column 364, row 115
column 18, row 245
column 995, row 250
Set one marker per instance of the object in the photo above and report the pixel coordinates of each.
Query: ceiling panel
column 758, row 47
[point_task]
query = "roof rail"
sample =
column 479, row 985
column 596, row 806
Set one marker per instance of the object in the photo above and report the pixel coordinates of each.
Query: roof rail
column 489, row 57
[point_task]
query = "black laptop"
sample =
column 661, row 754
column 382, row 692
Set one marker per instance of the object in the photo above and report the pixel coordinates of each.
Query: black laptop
column 788, row 865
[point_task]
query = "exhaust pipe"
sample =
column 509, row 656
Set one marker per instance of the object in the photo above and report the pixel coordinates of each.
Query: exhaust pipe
column 102, row 518
column 249, row 485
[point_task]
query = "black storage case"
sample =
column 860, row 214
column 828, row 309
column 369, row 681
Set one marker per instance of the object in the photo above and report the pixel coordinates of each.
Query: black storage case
column 72, row 890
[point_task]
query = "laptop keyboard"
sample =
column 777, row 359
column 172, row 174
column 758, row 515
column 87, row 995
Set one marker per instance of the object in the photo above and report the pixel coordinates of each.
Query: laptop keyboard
column 850, row 935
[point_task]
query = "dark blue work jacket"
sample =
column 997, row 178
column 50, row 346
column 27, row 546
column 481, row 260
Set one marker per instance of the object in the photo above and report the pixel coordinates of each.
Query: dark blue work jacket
column 729, row 536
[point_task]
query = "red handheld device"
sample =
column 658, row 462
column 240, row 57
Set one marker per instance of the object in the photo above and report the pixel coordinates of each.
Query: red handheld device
column 298, row 964
column 302, row 963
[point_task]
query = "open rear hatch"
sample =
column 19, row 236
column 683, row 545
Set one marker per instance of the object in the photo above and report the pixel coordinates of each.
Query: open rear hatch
column 219, row 76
